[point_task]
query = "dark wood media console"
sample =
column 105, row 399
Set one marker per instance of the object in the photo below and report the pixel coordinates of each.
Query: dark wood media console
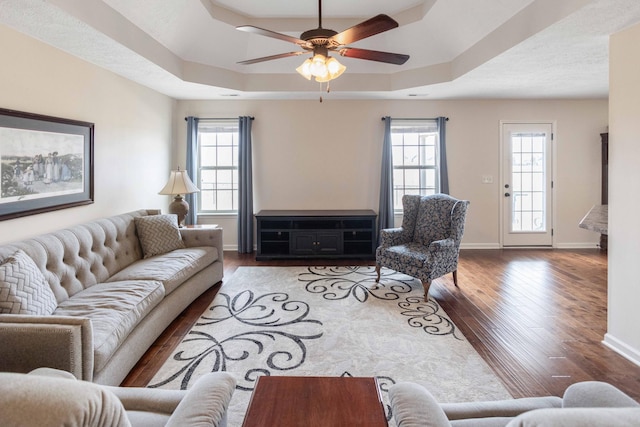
column 316, row 234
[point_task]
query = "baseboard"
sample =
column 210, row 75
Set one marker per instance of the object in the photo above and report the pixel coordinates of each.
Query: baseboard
column 479, row 246
column 556, row 246
column 622, row 348
column 483, row 246
column 576, row 246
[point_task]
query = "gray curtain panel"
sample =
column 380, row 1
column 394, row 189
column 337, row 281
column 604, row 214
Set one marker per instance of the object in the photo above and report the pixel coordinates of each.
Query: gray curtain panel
column 192, row 167
column 444, row 174
column 385, row 210
column 245, row 189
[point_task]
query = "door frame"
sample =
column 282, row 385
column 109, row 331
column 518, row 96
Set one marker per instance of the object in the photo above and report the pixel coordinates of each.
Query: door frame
column 554, row 174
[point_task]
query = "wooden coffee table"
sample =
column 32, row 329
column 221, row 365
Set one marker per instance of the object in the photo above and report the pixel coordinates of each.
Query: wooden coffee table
column 315, row 401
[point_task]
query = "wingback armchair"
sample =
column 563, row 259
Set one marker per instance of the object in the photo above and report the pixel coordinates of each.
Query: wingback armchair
column 428, row 243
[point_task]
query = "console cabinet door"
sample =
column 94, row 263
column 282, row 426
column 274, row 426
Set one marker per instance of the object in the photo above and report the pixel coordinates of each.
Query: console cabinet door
column 303, row 243
column 328, row 243
column 316, row 243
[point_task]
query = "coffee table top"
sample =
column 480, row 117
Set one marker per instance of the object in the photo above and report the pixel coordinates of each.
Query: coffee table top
column 315, row 401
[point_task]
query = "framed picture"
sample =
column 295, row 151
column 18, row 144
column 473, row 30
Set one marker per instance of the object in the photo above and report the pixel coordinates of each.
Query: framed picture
column 46, row 163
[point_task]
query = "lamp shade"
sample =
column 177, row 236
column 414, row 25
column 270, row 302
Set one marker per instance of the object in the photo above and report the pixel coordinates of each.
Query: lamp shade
column 323, row 68
column 179, row 183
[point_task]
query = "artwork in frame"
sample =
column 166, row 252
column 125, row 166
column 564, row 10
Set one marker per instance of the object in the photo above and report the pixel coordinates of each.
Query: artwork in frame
column 46, row 163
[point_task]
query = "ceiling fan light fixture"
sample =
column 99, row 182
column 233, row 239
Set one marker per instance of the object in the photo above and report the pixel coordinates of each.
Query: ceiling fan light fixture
column 305, row 69
column 318, row 65
column 335, row 68
column 321, row 67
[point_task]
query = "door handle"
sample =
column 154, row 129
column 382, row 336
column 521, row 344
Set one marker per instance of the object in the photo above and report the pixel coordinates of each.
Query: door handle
column 507, row 194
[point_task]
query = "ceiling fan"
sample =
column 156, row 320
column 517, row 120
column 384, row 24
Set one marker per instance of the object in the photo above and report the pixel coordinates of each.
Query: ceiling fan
column 320, row 41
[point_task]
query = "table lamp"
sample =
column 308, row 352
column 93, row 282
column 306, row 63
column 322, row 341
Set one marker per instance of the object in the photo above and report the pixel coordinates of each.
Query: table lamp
column 179, row 184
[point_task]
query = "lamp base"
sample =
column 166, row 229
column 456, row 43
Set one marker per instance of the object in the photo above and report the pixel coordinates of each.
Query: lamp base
column 179, row 207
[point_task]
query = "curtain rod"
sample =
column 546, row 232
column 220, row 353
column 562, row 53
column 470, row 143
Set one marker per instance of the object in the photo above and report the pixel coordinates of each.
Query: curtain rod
column 218, row 118
column 405, row 118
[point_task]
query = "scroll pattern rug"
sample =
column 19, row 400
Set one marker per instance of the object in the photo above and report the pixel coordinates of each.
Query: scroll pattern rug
column 328, row 321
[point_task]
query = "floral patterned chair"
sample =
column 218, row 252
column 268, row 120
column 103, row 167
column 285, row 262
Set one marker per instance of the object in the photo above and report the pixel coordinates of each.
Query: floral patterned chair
column 427, row 245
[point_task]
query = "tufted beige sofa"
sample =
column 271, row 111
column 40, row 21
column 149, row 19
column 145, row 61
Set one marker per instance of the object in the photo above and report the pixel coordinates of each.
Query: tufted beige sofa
column 112, row 303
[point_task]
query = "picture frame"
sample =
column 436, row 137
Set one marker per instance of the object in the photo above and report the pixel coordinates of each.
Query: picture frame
column 46, row 163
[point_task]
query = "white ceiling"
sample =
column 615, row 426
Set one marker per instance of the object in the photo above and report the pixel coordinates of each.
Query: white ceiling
column 189, row 49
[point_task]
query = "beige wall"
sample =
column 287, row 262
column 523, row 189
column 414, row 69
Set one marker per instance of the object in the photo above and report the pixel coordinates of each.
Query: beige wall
column 133, row 128
column 307, row 154
column 624, row 188
column 312, row 155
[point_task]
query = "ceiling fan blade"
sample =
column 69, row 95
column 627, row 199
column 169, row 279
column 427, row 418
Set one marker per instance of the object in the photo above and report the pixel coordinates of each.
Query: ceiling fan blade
column 269, row 58
column 272, row 34
column 374, row 55
column 377, row 24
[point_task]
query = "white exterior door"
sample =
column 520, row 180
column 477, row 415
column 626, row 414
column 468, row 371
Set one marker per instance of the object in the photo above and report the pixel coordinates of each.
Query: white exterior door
column 527, row 184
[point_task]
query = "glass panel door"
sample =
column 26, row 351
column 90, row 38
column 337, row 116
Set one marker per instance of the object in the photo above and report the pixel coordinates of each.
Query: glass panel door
column 527, row 184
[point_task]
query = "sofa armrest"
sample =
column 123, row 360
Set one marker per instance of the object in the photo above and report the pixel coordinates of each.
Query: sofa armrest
column 414, row 406
column 596, row 394
column 61, row 342
column 194, row 237
column 206, row 403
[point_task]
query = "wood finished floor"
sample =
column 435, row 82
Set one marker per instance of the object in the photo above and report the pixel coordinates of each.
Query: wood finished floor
column 537, row 317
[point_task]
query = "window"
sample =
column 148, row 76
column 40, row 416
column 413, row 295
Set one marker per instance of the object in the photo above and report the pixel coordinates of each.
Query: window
column 415, row 152
column 218, row 166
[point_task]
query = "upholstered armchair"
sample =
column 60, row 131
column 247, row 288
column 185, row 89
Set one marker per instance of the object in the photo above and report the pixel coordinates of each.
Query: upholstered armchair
column 50, row 397
column 584, row 404
column 427, row 245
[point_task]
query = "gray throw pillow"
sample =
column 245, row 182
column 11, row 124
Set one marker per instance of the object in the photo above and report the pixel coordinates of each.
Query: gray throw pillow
column 158, row 234
column 23, row 288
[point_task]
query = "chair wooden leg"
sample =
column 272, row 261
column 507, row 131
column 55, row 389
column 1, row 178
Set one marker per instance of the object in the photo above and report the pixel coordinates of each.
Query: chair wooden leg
column 426, row 284
column 377, row 272
column 455, row 278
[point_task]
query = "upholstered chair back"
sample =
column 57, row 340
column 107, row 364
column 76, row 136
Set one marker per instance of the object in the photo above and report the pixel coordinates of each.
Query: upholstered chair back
column 435, row 217
column 410, row 207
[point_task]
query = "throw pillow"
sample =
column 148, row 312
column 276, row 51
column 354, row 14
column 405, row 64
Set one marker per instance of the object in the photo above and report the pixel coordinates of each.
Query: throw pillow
column 158, row 234
column 23, row 288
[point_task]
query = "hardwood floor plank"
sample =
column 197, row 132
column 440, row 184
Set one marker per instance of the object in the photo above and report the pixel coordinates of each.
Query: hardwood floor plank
column 537, row 317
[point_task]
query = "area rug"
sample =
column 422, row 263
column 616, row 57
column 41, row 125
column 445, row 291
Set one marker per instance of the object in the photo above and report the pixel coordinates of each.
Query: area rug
column 328, row 321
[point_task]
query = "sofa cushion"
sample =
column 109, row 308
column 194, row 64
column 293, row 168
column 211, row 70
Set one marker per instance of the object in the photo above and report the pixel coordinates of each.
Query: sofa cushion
column 114, row 310
column 172, row 268
column 158, row 234
column 23, row 288
column 414, row 254
column 32, row 400
column 578, row 417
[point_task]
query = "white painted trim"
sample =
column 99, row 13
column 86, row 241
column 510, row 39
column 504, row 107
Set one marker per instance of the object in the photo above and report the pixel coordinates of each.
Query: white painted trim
column 479, row 246
column 622, row 348
column 582, row 245
column 558, row 246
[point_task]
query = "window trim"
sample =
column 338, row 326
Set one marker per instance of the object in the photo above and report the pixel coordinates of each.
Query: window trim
column 431, row 128
column 233, row 123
